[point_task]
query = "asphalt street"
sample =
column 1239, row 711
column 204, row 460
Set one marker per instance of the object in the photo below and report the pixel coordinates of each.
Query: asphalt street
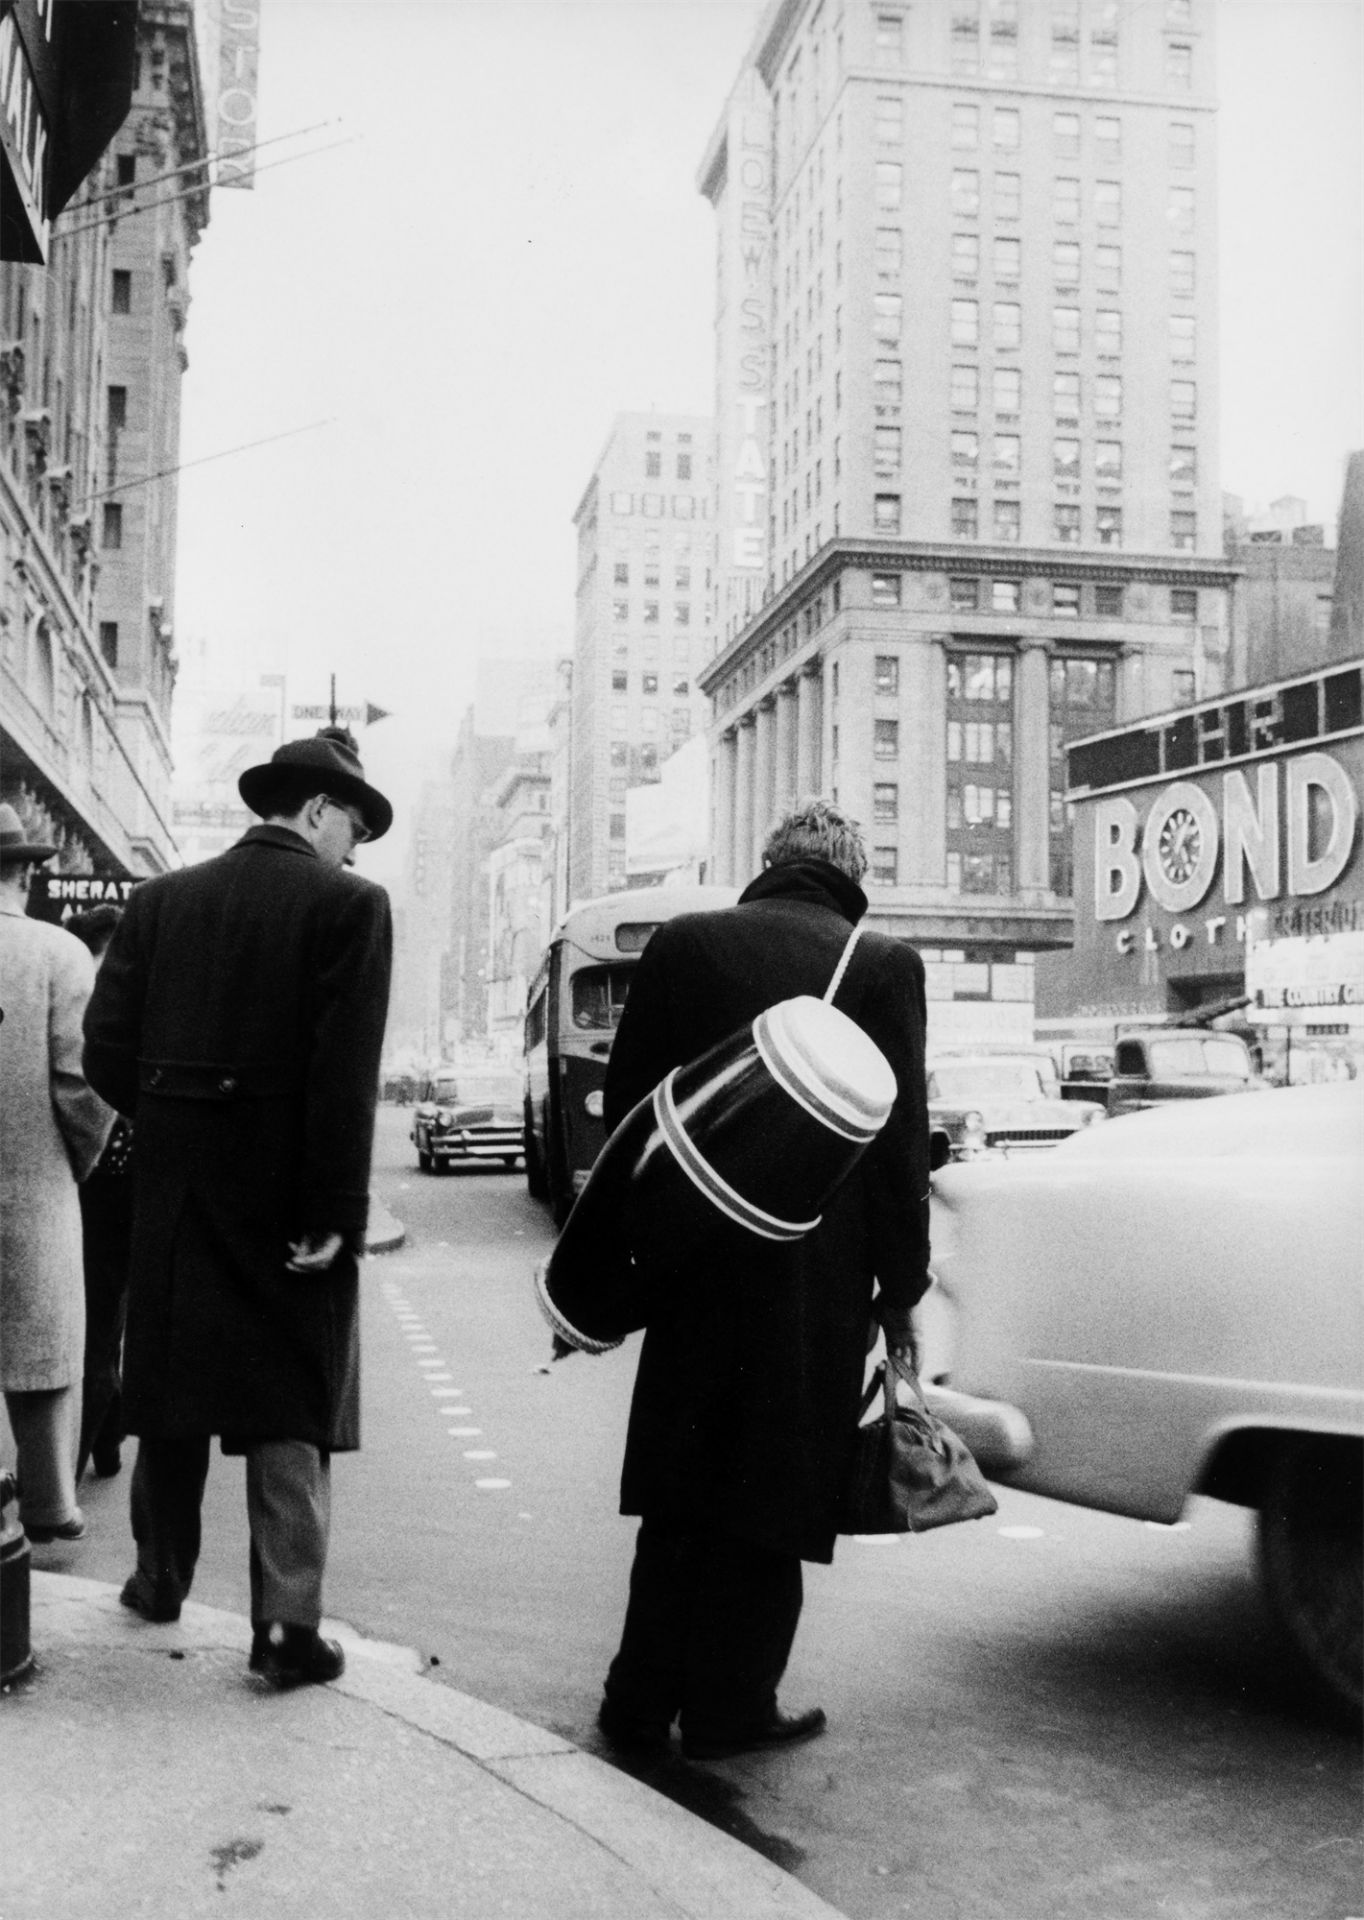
column 1045, row 1715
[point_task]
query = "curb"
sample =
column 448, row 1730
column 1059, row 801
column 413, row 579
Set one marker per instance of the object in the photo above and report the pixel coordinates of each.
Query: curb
column 703, row 1872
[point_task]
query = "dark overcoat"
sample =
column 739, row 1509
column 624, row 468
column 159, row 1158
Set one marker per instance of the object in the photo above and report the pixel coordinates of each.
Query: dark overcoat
column 238, row 1018
column 751, row 1372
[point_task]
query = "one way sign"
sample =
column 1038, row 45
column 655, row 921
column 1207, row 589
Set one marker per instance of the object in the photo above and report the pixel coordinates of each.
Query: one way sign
column 364, row 716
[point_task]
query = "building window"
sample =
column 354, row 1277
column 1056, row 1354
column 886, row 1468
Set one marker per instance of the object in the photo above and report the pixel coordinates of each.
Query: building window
column 681, row 613
column 1184, row 686
column 1066, row 523
column 886, row 513
column 965, row 256
column 1065, row 393
column 1064, row 69
column 651, row 505
column 1065, row 202
column 889, row 51
column 620, row 682
column 1008, row 326
column 619, row 719
column 621, row 573
column 112, row 536
column 108, row 641
column 889, row 253
column 1183, row 466
column 684, row 466
column 1183, row 530
column 1108, row 396
column 1008, row 257
column 653, row 465
column 887, row 316
column 1065, row 135
column 885, row 589
column 1007, row 387
column 885, row 803
column 965, row 519
column 1182, row 275
column 1065, row 329
column 1108, row 331
column 965, row 389
column 1006, row 521
column 1179, row 63
column 1082, row 698
column 890, row 120
column 651, row 613
column 965, row 36
column 118, row 408
column 1108, row 602
column 1065, row 599
column 980, row 771
column 966, row 191
column 965, row 323
column 886, row 383
column 681, row 687
column 1181, row 336
column 649, row 683
column 121, row 297
column 965, row 451
column 1008, row 456
column 884, row 867
column 1108, row 268
column 889, row 185
column 1107, row 136
column 965, row 126
column 1108, row 526
column 1179, row 210
column 963, row 594
column 887, row 673
column 1183, row 401
column 1065, row 459
column 1181, row 152
column 621, row 609
column 886, row 739
column 887, row 450
column 1184, row 605
column 1006, row 596
column 1108, row 202
column 1004, row 128
column 619, row 754
column 1008, row 196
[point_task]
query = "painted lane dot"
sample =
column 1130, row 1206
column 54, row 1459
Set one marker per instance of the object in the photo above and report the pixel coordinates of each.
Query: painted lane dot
column 446, row 1393
column 492, row 1483
column 466, row 1433
column 1021, row 1533
column 878, row 1539
column 479, row 1453
column 1173, row 1526
column 431, row 1378
column 435, row 1361
column 458, row 1413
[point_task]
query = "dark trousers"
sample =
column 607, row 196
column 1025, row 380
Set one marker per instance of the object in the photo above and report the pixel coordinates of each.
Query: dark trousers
column 708, row 1631
column 106, row 1236
column 288, row 1506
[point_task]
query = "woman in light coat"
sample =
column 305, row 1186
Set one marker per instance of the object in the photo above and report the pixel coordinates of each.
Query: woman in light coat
column 52, row 1130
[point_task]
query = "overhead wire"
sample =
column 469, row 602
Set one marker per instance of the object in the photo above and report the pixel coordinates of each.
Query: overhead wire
column 146, row 479
column 170, row 199
column 173, row 173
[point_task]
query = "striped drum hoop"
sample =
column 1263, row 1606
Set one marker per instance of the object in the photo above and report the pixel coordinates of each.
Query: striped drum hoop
column 752, row 1138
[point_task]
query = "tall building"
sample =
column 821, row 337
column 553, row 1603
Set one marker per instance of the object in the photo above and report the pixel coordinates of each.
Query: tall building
column 987, row 439
column 91, row 360
column 646, row 552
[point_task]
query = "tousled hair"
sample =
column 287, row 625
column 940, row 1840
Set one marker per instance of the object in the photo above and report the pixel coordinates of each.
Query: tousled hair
column 815, row 829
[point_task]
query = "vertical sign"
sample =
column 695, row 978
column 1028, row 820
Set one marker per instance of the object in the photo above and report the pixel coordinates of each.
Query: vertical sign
column 234, row 105
column 28, row 89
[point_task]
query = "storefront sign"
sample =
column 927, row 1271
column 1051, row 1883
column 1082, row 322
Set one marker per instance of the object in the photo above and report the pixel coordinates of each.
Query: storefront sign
column 26, row 107
column 234, row 98
column 60, row 896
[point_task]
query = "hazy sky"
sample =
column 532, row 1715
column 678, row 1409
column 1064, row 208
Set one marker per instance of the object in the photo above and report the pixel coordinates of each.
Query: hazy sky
column 512, row 250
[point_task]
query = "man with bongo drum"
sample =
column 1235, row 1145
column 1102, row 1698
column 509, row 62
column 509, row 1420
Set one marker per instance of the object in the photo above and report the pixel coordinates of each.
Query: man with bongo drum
column 751, row 1373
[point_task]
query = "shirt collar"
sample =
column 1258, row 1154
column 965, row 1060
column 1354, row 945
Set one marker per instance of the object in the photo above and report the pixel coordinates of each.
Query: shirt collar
column 817, row 881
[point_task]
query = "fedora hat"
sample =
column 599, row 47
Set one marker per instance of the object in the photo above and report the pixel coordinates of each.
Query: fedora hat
column 14, row 841
column 331, row 758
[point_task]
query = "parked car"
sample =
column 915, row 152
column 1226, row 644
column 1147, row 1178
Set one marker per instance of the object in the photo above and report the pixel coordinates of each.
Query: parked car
column 468, row 1114
column 1086, row 1069
column 1178, row 1063
column 991, row 1105
column 1173, row 1306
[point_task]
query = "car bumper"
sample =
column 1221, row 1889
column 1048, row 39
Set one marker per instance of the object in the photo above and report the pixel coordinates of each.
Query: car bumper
column 486, row 1143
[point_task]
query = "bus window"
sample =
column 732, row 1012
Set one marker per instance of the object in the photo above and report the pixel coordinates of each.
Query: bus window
column 598, row 995
column 535, row 1020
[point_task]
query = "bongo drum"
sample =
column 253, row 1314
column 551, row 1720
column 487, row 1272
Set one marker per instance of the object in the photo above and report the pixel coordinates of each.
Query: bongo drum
column 752, row 1138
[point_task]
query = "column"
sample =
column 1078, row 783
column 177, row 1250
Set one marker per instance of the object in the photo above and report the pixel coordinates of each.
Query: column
column 923, row 762
column 809, row 728
column 764, row 773
column 1032, row 771
column 784, row 786
column 742, row 871
column 724, row 773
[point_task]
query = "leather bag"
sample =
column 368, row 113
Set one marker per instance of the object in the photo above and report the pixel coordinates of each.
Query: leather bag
column 908, row 1472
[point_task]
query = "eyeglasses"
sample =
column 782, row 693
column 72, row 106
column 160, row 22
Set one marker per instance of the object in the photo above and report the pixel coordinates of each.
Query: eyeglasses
column 358, row 830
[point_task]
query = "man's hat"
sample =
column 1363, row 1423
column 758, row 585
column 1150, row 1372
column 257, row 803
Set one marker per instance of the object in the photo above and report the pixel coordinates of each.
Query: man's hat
column 330, row 757
column 14, row 841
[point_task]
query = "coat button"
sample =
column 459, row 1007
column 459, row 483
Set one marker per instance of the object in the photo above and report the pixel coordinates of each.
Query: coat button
column 227, row 1084
column 155, row 1077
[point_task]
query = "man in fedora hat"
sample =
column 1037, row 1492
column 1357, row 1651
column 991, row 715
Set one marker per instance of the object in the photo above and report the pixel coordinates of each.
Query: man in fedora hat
column 238, row 1018
column 52, row 1129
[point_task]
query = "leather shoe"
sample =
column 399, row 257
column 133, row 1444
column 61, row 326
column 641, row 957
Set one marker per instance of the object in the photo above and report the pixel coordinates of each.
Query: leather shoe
column 778, row 1731
column 629, row 1735
column 293, row 1656
column 157, row 1604
column 72, row 1529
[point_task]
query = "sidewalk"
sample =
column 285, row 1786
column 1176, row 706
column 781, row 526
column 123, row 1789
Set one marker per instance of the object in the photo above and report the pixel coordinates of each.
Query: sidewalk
column 146, row 1773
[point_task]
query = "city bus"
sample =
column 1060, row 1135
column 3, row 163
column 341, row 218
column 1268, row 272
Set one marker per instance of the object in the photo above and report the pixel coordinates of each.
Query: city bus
column 572, row 1010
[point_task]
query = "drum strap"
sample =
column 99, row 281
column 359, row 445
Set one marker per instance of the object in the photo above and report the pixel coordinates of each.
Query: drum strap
column 842, row 966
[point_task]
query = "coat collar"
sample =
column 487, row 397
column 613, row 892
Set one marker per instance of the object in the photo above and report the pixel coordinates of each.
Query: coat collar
column 283, row 837
column 817, row 882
